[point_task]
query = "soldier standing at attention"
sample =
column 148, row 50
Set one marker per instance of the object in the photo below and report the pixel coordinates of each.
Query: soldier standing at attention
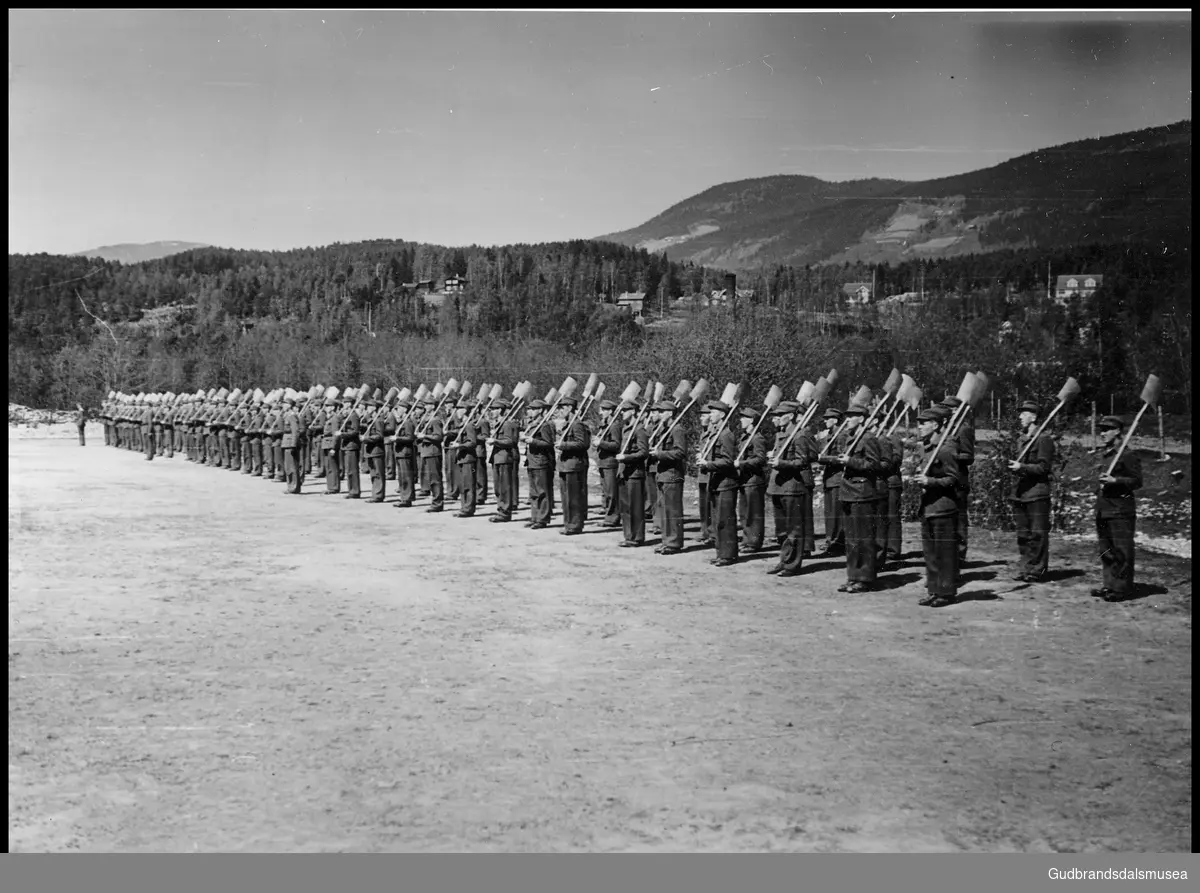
column 540, row 462
column 723, row 487
column 331, row 446
column 671, row 467
column 1116, row 513
column 275, row 438
column 702, row 478
column 237, row 430
column 307, row 411
column 831, row 481
column 752, row 480
column 890, row 541
column 290, row 443
column 404, row 446
column 430, row 440
column 464, row 447
column 859, row 467
column 572, row 472
column 379, row 431
column 483, row 431
column 147, row 421
column 964, row 445
column 789, row 486
column 631, row 477
column 449, row 433
column 351, row 431
column 1031, row 497
column 81, row 420
column 606, row 463
column 505, row 460
column 939, row 507
column 255, row 427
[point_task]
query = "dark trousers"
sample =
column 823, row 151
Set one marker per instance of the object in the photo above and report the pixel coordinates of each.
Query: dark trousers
column 540, row 495
column 835, row 536
column 962, row 524
column 1115, row 540
column 670, row 500
column 573, row 485
column 333, row 472
column 160, row 443
column 378, row 467
column 753, row 527
column 858, row 523
column 223, row 448
column 256, row 455
column 779, row 516
column 452, row 480
column 724, row 512
column 939, row 542
column 706, row 527
column 1033, row 536
column 652, row 499
column 148, row 443
column 291, row 468
column 405, row 485
column 810, row 524
column 467, row 489
column 610, row 495
column 481, row 479
column 82, row 439
column 107, row 434
column 431, row 467
column 389, row 461
column 890, row 530
column 505, row 504
column 317, row 456
column 350, row 459
column 305, row 458
column 235, row 451
column 247, row 455
column 633, row 509
column 277, row 458
column 789, row 514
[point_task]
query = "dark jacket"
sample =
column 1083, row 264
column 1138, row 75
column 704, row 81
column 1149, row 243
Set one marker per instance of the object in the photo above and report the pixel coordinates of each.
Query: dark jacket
column 1117, row 500
column 939, row 498
column 670, row 465
column 793, row 475
column 577, row 440
column 1032, row 478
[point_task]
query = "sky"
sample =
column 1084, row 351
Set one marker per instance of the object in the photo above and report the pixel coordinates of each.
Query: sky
column 285, row 129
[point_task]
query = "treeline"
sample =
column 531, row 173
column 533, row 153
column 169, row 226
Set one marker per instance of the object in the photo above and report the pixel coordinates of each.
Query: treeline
column 341, row 315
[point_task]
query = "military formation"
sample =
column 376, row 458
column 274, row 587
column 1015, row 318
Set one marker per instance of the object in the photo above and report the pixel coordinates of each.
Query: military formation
column 449, row 443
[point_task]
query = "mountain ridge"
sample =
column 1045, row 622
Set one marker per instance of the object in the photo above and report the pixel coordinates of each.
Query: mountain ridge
column 137, row 252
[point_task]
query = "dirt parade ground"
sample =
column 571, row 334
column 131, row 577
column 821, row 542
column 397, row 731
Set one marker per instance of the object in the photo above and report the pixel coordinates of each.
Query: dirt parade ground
column 199, row 662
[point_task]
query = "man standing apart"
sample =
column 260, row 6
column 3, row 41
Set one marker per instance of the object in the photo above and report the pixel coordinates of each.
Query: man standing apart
column 1116, row 513
column 1031, row 497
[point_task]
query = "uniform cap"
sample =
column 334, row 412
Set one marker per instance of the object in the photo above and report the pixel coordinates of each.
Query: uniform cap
column 429, row 400
column 1029, row 406
column 717, row 406
column 568, row 402
column 608, row 404
column 786, row 407
column 466, row 403
column 626, row 406
column 664, row 406
column 833, row 413
column 537, row 404
column 930, row 415
column 951, row 401
column 856, row 409
column 1112, row 421
column 501, row 403
column 749, row 412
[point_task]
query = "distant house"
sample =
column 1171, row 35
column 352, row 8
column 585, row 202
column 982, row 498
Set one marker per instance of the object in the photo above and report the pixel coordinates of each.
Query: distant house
column 412, row 288
column 455, row 284
column 1080, row 285
column 857, row 292
column 633, row 301
column 720, row 296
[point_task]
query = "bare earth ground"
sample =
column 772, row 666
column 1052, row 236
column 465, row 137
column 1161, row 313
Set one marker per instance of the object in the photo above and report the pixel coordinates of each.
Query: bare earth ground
column 197, row 661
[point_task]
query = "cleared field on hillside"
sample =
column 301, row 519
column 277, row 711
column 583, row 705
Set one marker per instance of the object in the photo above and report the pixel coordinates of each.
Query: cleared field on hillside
column 198, row 661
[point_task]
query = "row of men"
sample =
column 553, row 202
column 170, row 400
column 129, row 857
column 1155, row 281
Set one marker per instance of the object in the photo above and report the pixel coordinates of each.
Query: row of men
column 742, row 469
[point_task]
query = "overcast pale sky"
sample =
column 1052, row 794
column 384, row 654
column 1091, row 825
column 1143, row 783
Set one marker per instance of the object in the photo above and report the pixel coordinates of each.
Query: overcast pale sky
column 283, row 129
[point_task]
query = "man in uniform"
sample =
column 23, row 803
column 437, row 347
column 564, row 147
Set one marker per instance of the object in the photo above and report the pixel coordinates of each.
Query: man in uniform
column 859, row 466
column 631, row 476
column 404, row 448
column 964, row 445
column 723, row 487
column 1031, row 497
column 891, row 531
column 611, row 433
column 147, row 421
column 539, row 442
column 576, row 441
column 789, row 482
column 1116, row 513
column 483, row 431
column 670, row 461
column 379, row 431
column 290, row 443
column 939, row 508
column 831, row 481
column 504, row 439
column 449, row 434
column 236, row 427
column 81, row 420
column 351, row 429
column 331, row 447
column 707, row 429
column 752, row 478
column 430, row 437
column 463, row 450
column 273, row 441
column 306, row 409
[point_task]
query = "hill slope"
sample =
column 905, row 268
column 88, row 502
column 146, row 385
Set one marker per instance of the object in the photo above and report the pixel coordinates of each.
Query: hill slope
column 133, row 252
column 1131, row 186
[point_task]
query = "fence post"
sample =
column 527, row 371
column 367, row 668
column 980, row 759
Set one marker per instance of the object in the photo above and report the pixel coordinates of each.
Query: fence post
column 1095, row 445
column 1162, row 440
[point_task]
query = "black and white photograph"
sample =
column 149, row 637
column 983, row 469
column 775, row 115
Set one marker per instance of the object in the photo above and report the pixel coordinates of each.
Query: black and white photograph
column 851, row 350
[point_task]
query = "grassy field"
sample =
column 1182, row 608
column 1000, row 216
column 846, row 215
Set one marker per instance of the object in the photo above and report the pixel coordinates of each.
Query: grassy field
column 199, row 662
